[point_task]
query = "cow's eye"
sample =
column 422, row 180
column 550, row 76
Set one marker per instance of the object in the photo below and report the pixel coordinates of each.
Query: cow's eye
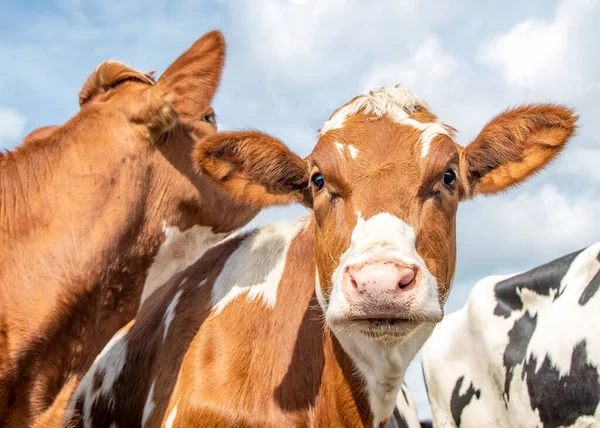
column 210, row 118
column 449, row 178
column 318, row 180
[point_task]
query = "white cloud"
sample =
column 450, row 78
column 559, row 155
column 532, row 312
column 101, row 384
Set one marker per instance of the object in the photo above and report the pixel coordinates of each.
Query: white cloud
column 581, row 164
column 450, row 86
column 306, row 41
column 517, row 231
column 428, row 63
column 555, row 54
column 12, row 125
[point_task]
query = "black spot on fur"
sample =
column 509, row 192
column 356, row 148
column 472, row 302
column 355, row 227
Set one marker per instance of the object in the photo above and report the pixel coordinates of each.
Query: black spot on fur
column 458, row 402
column 514, row 354
column 541, row 279
column 397, row 420
column 591, row 288
column 560, row 400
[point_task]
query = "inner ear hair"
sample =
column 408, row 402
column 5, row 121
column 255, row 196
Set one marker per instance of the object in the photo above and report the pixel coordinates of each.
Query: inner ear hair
column 109, row 75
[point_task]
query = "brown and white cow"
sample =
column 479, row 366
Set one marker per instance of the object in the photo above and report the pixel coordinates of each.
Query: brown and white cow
column 96, row 212
column 314, row 322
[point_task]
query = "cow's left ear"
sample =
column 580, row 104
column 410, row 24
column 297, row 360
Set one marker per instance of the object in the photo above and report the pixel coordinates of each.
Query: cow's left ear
column 254, row 167
column 515, row 145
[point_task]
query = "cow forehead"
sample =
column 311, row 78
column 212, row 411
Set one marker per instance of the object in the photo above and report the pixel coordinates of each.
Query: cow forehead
column 388, row 139
column 389, row 121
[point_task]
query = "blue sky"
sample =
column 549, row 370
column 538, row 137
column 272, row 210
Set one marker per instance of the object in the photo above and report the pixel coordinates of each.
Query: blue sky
column 291, row 63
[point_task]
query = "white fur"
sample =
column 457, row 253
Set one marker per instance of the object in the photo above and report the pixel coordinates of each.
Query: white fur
column 407, row 407
column 171, row 418
column 471, row 342
column 178, row 251
column 383, row 236
column 110, row 362
column 382, row 366
column 398, row 104
column 149, row 406
column 347, row 149
column 170, row 313
column 256, row 267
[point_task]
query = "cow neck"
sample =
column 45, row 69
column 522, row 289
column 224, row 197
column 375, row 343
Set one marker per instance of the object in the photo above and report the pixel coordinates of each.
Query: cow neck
column 82, row 241
column 344, row 387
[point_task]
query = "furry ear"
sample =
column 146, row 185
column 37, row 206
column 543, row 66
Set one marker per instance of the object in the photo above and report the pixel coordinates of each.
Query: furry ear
column 254, row 167
column 109, row 75
column 190, row 83
column 515, row 145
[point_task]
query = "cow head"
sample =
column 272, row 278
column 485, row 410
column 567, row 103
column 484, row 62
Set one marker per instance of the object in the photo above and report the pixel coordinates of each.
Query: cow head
column 384, row 182
column 154, row 124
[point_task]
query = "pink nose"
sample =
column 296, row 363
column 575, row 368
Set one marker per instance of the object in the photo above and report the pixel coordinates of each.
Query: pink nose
column 377, row 278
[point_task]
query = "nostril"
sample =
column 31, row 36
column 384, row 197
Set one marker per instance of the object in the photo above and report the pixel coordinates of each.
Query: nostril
column 406, row 278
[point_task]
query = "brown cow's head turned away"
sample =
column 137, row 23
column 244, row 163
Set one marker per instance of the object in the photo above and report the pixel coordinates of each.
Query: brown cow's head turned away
column 384, row 182
column 97, row 213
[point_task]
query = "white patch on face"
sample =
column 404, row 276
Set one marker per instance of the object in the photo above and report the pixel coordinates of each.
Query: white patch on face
column 110, row 362
column 178, row 251
column 170, row 313
column 383, row 237
column 149, row 406
column 382, row 366
column 398, row 104
column 256, row 267
column 353, row 151
column 346, row 150
column 171, row 418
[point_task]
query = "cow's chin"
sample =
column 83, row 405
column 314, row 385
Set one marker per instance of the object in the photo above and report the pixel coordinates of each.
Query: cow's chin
column 383, row 329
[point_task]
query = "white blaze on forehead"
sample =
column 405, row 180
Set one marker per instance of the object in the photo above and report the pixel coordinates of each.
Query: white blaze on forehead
column 178, row 251
column 170, row 313
column 346, row 148
column 109, row 363
column 256, row 267
column 398, row 104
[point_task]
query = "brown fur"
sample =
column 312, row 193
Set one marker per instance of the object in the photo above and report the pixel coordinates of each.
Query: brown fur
column 108, row 76
column 517, row 144
column 82, row 207
column 251, row 365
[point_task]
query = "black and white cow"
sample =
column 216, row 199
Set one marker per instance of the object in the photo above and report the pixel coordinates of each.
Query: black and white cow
column 523, row 352
column 405, row 414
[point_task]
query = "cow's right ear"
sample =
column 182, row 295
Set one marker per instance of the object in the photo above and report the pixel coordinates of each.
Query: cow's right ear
column 190, row 83
column 254, row 167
